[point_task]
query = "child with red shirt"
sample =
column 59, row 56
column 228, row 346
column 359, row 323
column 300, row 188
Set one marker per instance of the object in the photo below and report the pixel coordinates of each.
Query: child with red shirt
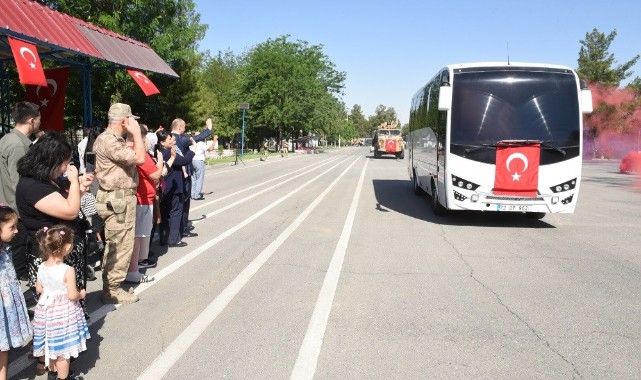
column 148, row 175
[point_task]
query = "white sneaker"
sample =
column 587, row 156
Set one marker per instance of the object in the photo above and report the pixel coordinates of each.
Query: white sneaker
column 138, row 277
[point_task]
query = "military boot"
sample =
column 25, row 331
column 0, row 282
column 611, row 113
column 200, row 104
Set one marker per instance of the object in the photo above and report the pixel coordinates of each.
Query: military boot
column 115, row 296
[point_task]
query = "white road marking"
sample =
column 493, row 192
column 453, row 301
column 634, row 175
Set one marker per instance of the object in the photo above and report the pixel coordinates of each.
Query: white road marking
column 243, row 167
column 253, row 195
column 305, row 366
column 203, row 248
column 21, row 363
column 220, row 199
column 163, row 363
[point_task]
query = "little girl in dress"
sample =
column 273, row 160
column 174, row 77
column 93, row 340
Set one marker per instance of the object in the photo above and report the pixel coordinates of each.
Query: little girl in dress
column 15, row 329
column 60, row 329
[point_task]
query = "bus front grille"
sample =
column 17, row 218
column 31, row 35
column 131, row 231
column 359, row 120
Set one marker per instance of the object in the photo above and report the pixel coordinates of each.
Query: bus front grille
column 513, row 199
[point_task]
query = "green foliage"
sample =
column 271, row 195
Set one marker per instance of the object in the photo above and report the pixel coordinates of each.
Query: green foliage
column 381, row 115
column 405, row 129
column 360, row 123
column 596, row 62
column 219, row 93
column 290, row 87
column 635, row 85
column 614, row 108
column 293, row 88
column 171, row 28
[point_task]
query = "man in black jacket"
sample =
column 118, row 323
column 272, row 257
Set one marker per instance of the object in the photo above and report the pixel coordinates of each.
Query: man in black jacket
column 182, row 143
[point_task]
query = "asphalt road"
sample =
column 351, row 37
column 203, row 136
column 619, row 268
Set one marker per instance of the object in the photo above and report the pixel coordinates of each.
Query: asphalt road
column 327, row 266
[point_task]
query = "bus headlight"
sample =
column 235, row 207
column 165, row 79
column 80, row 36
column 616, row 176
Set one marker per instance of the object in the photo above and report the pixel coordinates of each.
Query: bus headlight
column 474, row 198
column 565, row 186
column 463, row 184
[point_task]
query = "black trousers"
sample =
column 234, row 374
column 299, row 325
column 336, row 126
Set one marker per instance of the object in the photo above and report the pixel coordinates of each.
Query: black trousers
column 171, row 209
column 184, row 222
column 19, row 251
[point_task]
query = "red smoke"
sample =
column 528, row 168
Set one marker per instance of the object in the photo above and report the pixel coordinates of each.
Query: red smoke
column 615, row 125
column 613, row 96
column 631, row 163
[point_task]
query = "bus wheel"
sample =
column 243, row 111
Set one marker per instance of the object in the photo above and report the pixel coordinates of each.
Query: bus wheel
column 437, row 208
column 401, row 155
column 535, row 215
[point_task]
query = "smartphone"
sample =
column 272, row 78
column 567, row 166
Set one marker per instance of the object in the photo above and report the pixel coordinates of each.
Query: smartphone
column 90, row 162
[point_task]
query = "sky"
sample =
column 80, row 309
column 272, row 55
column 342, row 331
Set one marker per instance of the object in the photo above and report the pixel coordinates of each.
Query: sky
column 389, row 49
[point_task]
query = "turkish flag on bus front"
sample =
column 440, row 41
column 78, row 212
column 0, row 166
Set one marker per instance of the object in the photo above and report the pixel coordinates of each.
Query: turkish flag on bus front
column 517, row 169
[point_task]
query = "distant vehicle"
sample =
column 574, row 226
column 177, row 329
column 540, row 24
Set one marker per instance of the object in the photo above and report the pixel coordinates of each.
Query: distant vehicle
column 368, row 142
column 499, row 137
column 387, row 139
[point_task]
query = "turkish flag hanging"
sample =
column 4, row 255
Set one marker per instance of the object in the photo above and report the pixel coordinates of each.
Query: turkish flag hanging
column 28, row 62
column 145, row 84
column 51, row 99
column 517, row 169
column 390, row 146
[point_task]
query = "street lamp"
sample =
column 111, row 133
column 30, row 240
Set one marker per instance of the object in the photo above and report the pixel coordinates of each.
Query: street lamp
column 244, row 107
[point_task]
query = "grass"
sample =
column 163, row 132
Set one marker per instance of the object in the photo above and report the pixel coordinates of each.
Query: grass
column 246, row 156
column 250, row 155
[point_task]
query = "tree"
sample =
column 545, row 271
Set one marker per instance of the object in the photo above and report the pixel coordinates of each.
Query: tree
column 361, row 126
column 635, row 85
column 219, row 93
column 381, row 115
column 171, row 27
column 615, row 109
column 596, row 62
column 333, row 124
column 287, row 83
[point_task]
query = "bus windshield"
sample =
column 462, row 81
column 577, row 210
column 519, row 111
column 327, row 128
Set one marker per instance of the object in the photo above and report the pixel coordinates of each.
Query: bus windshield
column 489, row 106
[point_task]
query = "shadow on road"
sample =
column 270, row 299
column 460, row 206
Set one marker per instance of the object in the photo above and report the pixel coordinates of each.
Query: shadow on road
column 82, row 365
column 398, row 195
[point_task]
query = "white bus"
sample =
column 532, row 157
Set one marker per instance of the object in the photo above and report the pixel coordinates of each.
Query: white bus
column 499, row 137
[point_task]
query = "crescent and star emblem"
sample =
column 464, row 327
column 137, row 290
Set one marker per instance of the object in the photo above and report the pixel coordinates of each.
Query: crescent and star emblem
column 24, row 50
column 50, row 82
column 516, row 156
column 142, row 76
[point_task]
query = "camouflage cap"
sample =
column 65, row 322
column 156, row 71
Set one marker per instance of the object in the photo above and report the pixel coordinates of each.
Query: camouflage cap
column 121, row 110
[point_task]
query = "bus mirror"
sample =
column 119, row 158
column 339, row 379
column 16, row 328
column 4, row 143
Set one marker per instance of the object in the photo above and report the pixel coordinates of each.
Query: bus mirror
column 586, row 101
column 445, row 98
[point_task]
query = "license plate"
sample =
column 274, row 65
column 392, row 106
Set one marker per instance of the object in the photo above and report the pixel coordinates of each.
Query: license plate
column 512, row 208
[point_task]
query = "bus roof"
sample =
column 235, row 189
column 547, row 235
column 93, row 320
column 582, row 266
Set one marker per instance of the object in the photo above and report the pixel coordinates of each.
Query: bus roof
column 457, row 66
column 505, row 64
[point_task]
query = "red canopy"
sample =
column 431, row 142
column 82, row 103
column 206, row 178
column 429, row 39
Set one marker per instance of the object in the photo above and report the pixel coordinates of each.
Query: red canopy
column 64, row 36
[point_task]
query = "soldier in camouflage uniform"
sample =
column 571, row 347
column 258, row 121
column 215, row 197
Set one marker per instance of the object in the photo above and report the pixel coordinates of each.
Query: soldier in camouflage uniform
column 116, row 200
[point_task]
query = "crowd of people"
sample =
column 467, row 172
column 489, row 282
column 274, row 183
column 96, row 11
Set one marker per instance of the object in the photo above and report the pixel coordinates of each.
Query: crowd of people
column 140, row 181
